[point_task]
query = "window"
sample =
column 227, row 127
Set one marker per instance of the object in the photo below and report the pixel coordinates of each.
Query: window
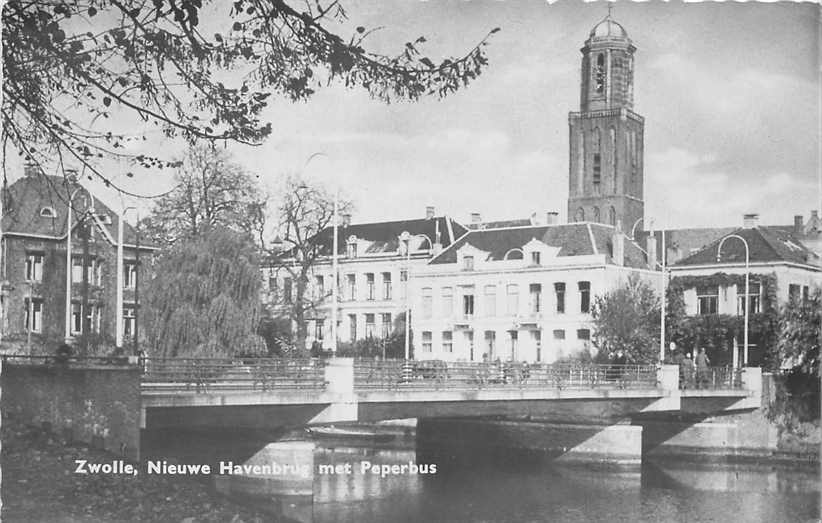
column 490, row 344
column 319, row 330
column 613, row 150
column 754, row 291
column 559, row 291
column 352, row 327
column 33, row 320
column 404, row 283
column 513, row 340
column 584, row 296
column 369, row 285
column 535, row 292
column 536, row 339
column 707, row 299
column 468, row 305
column 76, row 269
column 468, row 263
column 806, row 294
column 76, row 318
column 794, row 291
column 535, row 258
column 599, row 74
column 351, row 249
column 447, row 302
column 469, row 340
column 559, row 334
column 427, row 303
column 97, row 319
column 96, row 272
column 426, row 341
column 130, row 276
column 597, row 217
column 386, row 285
column 48, row 212
column 129, row 319
column 597, row 169
column 513, row 299
column 287, row 290
column 351, row 280
column 128, row 279
column 612, row 216
column 580, row 215
column 369, row 325
column 34, row 267
column 583, row 334
column 319, row 286
column 386, row 324
column 447, row 341
column 490, row 304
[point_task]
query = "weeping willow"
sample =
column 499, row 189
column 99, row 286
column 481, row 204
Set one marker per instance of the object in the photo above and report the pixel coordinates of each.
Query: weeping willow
column 203, row 299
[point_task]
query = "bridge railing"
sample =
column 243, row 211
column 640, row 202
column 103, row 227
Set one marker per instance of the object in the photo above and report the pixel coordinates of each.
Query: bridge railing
column 438, row 375
column 713, row 378
column 209, row 375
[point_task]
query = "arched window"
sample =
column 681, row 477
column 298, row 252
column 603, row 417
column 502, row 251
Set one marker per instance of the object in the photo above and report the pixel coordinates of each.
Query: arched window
column 596, row 145
column 599, row 74
column 596, row 139
column 580, row 162
column 580, row 215
column 596, row 214
column 612, row 216
column 48, row 212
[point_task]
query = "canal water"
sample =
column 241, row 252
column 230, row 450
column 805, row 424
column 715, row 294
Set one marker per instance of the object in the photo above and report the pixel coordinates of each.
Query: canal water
column 506, row 488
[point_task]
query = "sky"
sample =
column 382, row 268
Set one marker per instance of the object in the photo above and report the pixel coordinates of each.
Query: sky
column 729, row 92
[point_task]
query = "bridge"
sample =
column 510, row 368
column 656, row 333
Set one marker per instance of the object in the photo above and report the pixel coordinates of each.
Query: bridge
column 269, row 392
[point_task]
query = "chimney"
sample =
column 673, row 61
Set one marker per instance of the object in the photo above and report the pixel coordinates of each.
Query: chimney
column 476, row 217
column 814, row 215
column 30, row 169
column 429, row 212
column 798, row 225
column 651, row 250
column 551, row 218
column 749, row 221
column 534, row 219
column 618, row 240
column 346, row 220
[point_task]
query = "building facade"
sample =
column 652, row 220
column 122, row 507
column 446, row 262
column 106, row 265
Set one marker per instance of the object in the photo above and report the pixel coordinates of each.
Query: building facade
column 34, row 265
column 520, row 293
column 374, row 261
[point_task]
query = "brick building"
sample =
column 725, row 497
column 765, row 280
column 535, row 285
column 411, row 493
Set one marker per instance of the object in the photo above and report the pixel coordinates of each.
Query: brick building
column 33, row 265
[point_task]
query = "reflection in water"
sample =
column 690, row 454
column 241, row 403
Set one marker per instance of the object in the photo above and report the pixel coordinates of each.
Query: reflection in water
column 509, row 490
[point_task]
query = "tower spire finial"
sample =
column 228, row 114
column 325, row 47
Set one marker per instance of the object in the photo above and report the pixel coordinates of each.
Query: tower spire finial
column 610, row 7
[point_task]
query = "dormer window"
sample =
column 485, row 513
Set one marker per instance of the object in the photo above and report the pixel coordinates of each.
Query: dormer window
column 48, row 212
column 105, row 219
column 351, row 247
column 536, row 258
column 468, row 263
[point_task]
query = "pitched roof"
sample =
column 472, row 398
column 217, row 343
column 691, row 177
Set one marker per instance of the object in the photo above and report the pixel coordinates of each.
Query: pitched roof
column 766, row 244
column 573, row 239
column 26, row 198
column 518, row 222
column 383, row 237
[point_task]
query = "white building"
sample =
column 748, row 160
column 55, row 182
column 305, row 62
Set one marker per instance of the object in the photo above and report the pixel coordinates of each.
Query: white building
column 519, row 293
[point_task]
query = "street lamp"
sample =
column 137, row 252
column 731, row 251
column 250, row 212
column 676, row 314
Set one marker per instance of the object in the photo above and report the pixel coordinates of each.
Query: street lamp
column 747, row 290
column 406, row 237
column 68, row 257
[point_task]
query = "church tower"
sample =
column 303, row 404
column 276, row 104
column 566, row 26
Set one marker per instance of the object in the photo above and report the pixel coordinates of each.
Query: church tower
column 606, row 135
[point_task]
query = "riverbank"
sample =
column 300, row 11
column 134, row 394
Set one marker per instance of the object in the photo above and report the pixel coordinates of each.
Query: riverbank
column 39, row 484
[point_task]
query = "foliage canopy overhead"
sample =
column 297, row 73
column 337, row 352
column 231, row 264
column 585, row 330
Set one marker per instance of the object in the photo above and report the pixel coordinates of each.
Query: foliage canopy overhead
column 71, row 68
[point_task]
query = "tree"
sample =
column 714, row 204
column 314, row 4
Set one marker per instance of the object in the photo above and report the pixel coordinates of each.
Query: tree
column 210, row 191
column 203, row 299
column 800, row 328
column 627, row 319
column 74, row 70
column 305, row 226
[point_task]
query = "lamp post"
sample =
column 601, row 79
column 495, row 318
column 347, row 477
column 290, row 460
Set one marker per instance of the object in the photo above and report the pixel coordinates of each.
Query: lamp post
column 68, row 257
column 747, row 290
column 406, row 237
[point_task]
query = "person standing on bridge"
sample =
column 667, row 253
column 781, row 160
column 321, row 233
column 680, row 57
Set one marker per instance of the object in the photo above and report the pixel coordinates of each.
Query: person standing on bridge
column 702, row 363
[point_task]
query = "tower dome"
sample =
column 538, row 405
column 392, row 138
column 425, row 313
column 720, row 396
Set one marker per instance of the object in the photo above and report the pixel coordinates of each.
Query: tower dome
column 609, row 28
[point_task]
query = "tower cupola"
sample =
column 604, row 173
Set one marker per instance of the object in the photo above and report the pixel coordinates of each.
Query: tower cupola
column 607, row 68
